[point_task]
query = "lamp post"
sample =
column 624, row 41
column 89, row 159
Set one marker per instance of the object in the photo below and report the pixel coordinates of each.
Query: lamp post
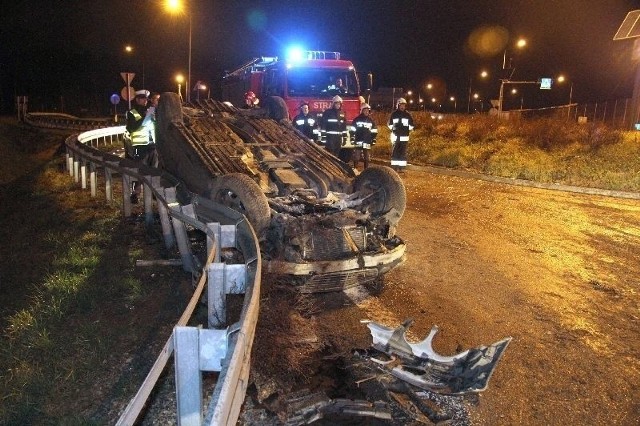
column 129, row 49
column 455, row 103
column 176, row 6
column 521, row 43
column 179, row 80
column 483, row 74
column 562, row 79
column 476, row 98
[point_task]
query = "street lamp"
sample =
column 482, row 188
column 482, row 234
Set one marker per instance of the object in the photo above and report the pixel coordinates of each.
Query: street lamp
column 521, row 43
column 483, row 74
column 180, row 80
column 514, row 92
column 176, row 6
column 129, row 49
column 455, row 103
column 561, row 79
column 200, row 86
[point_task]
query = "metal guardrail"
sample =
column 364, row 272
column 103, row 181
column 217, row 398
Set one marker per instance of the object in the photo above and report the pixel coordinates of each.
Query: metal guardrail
column 225, row 350
column 55, row 120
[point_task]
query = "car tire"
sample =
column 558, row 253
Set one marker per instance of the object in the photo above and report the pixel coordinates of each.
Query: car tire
column 385, row 190
column 169, row 110
column 277, row 108
column 242, row 194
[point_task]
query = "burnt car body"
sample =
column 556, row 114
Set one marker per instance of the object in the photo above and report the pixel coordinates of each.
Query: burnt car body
column 318, row 222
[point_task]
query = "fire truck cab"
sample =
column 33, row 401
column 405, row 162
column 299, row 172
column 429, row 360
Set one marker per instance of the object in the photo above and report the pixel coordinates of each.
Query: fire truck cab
column 314, row 77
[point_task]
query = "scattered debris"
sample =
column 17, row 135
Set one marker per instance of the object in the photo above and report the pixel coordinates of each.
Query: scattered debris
column 305, row 408
column 419, row 365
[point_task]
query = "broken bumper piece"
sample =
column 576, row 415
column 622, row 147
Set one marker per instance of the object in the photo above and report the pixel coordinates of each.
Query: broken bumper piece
column 419, row 365
column 337, row 275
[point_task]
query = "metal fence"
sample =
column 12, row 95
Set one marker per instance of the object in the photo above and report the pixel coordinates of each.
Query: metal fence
column 617, row 113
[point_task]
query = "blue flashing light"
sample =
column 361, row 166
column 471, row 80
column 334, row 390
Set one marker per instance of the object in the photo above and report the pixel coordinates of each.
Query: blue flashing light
column 295, row 54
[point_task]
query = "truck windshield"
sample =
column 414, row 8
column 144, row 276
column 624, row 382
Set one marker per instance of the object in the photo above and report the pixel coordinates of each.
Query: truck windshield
column 321, row 82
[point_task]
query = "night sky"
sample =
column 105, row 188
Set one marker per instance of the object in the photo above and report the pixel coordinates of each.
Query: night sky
column 68, row 54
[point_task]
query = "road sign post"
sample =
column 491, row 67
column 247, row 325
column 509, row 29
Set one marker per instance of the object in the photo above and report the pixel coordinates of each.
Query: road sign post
column 128, row 77
column 115, row 100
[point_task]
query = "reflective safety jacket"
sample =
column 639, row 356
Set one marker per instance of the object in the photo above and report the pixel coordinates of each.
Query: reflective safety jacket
column 307, row 125
column 364, row 131
column 333, row 125
column 140, row 126
column 400, row 124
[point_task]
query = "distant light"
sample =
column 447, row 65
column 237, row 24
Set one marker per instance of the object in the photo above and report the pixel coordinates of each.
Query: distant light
column 521, row 43
column 179, row 78
column 484, row 74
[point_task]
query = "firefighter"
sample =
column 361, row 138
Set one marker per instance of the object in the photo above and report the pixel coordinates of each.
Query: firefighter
column 364, row 135
column 401, row 124
column 333, row 127
column 250, row 100
column 306, row 123
column 140, row 144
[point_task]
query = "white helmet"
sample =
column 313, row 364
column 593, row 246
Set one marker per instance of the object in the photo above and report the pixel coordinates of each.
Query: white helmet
column 336, row 98
column 402, row 101
column 364, row 106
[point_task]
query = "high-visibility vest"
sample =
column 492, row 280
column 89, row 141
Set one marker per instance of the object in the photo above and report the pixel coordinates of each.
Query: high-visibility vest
column 141, row 136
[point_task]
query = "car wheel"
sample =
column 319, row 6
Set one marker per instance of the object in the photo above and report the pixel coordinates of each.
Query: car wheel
column 242, row 194
column 169, row 110
column 383, row 190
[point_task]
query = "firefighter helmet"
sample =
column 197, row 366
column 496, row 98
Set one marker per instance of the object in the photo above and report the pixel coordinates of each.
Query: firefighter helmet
column 336, row 98
column 364, row 106
column 402, row 101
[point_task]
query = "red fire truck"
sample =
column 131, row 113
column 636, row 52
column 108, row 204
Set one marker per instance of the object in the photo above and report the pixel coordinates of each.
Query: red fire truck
column 305, row 76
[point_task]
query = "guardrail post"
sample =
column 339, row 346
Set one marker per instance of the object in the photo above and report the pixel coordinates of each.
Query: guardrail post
column 216, row 230
column 196, row 350
column 126, row 200
column 147, row 195
column 188, row 376
column 69, row 163
column 93, row 179
column 83, row 173
column 108, row 183
column 167, row 231
column 76, row 171
column 216, row 296
column 181, row 234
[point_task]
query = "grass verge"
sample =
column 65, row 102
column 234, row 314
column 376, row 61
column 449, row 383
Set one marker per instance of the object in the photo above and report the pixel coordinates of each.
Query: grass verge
column 543, row 150
column 75, row 309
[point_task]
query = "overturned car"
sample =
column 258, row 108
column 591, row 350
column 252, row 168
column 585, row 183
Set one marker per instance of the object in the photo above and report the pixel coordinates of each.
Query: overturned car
column 319, row 224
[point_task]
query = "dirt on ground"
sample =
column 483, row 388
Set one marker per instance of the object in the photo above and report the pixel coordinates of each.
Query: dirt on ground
column 558, row 272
